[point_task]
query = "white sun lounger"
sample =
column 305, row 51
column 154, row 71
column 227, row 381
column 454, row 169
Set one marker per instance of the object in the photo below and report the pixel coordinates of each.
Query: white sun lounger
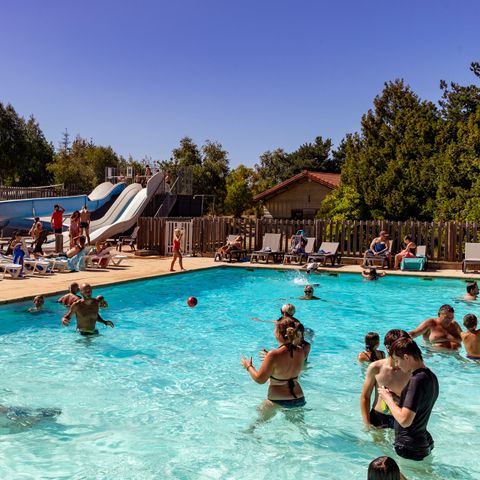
column 472, row 255
column 13, row 269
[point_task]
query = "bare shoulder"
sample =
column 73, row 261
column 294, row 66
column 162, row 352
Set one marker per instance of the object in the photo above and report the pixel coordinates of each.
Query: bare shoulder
column 375, row 367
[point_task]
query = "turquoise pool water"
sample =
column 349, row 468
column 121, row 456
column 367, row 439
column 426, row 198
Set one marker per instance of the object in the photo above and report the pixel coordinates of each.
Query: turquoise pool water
column 163, row 394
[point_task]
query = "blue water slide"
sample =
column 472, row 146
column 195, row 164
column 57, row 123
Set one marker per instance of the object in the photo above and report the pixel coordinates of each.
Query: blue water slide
column 19, row 213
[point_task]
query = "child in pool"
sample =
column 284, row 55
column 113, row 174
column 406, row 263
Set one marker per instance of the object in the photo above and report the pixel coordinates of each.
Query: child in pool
column 371, row 354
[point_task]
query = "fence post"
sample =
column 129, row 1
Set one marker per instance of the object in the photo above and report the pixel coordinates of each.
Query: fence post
column 451, row 230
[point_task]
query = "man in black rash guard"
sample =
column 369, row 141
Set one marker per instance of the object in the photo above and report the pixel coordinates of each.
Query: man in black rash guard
column 412, row 439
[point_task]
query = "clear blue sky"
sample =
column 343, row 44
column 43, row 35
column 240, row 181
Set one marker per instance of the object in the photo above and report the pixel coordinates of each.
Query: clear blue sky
column 254, row 75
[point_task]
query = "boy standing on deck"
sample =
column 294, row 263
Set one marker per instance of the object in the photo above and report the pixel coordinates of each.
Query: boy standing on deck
column 85, row 223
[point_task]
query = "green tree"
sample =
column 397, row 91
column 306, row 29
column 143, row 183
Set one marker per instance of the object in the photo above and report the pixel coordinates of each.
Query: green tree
column 390, row 163
column 458, row 153
column 24, row 152
column 344, row 203
column 277, row 166
column 82, row 164
column 239, row 198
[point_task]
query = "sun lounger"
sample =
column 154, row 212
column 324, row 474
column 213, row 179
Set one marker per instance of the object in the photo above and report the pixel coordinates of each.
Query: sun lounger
column 116, row 260
column 270, row 248
column 100, row 260
column 417, row 263
column 13, row 269
column 301, row 257
column 327, row 250
column 237, row 253
column 382, row 259
column 472, row 255
column 41, row 267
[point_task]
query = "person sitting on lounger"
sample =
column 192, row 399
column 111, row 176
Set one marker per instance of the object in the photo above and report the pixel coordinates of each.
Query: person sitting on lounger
column 298, row 243
column 235, row 244
column 380, row 247
column 408, row 252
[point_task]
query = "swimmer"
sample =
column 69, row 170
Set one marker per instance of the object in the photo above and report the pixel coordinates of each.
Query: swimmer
column 281, row 367
column 287, row 311
column 372, row 274
column 382, row 372
column 102, row 303
column 371, row 354
column 86, row 311
column 472, row 292
column 384, row 468
column 308, row 294
column 39, row 302
column 71, row 297
column 442, row 332
column 311, row 267
column 471, row 338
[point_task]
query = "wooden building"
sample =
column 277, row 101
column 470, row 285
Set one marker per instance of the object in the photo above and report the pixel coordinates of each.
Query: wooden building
column 298, row 197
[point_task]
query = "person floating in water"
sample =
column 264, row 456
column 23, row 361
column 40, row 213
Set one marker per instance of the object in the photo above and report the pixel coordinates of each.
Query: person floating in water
column 471, row 338
column 86, row 311
column 472, row 292
column 72, row 296
column 38, row 303
column 308, row 294
column 442, row 332
column 371, row 354
column 372, row 274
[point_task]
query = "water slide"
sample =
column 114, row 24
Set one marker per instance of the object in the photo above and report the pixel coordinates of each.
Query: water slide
column 19, row 213
column 130, row 215
column 111, row 216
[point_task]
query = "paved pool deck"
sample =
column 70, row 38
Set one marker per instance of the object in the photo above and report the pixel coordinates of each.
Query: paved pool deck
column 137, row 268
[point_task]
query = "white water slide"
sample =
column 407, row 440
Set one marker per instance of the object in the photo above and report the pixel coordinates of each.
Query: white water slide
column 121, row 216
column 130, row 215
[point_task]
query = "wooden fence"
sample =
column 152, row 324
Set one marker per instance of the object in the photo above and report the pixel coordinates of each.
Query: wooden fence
column 444, row 240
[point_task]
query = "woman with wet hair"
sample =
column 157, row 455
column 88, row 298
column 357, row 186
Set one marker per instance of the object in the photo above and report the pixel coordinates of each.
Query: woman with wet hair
column 281, row 367
column 384, row 468
column 371, row 354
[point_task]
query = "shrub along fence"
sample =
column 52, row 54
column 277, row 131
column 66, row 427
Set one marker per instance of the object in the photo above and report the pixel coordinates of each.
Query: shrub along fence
column 444, row 240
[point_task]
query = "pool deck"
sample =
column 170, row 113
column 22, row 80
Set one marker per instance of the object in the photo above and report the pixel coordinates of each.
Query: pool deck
column 137, row 268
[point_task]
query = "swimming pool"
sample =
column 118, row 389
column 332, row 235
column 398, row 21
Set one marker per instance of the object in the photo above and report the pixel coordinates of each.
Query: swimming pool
column 163, row 394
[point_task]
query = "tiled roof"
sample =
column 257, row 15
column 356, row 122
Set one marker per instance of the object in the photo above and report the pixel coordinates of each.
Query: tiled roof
column 329, row 180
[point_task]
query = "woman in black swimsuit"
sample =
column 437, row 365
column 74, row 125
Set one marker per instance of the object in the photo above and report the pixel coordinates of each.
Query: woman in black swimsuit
column 281, row 366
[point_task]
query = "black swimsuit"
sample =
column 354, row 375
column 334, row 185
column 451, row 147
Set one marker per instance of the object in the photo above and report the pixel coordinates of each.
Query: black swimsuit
column 290, row 381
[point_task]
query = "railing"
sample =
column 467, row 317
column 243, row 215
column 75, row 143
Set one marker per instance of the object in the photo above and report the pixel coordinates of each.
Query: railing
column 444, row 240
column 18, row 193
